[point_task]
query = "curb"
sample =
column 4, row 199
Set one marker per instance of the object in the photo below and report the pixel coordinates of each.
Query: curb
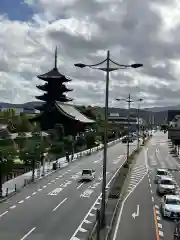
column 84, row 153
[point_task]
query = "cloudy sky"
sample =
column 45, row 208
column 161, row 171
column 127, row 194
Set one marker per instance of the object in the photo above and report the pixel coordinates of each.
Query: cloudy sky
column 142, row 31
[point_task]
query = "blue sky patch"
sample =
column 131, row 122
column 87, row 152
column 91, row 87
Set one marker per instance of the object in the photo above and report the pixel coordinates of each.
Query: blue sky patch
column 16, row 9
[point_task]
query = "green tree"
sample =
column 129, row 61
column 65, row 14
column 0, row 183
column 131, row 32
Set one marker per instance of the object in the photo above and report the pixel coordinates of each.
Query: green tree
column 22, row 123
column 90, row 139
column 8, row 152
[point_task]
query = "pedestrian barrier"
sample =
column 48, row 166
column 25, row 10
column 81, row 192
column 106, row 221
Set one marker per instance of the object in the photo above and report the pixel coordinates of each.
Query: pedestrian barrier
column 16, row 184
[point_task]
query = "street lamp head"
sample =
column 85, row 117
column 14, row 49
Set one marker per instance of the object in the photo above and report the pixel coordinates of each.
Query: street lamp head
column 80, row 65
column 136, row 65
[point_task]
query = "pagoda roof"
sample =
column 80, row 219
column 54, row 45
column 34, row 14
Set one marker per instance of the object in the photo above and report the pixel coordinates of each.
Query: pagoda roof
column 53, row 74
column 71, row 112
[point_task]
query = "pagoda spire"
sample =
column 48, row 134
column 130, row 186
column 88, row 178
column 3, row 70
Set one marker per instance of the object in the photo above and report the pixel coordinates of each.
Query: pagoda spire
column 55, row 59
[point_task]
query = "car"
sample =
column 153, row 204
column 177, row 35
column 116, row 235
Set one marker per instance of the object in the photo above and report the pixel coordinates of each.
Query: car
column 88, row 174
column 166, row 186
column 170, row 206
column 125, row 140
column 160, row 173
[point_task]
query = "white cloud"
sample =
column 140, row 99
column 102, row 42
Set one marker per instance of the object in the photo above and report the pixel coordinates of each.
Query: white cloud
column 146, row 32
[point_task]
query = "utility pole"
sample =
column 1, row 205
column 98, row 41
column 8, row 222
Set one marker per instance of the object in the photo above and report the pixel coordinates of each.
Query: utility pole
column 129, row 108
column 138, row 129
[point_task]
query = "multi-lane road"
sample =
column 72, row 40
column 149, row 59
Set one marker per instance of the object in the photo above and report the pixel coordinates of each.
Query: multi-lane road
column 59, row 206
column 140, row 216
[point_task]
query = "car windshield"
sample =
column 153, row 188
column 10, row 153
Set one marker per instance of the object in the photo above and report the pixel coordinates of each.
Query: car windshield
column 173, row 201
column 166, row 182
column 161, row 173
column 86, row 172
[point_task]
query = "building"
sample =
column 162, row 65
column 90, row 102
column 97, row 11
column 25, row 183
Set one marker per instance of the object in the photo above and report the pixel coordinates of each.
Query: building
column 122, row 121
column 55, row 108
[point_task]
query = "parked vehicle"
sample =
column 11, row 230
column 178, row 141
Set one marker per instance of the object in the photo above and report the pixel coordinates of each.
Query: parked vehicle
column 170, row 206
column 160, row 173
column 166, row 186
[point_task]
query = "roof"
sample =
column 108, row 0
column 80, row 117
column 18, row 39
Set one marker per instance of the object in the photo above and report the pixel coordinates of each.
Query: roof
column 166, row 178
column 162, row 170
column 173, row 197
column 54, row 74
column 71, row 112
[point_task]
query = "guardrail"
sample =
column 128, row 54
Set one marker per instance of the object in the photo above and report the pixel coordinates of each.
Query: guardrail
column 16, row 184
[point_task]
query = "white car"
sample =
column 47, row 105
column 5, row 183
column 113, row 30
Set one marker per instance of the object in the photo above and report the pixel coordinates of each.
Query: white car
column 170, row 206
column 88, row 174
column 160, row 173
column 166, row 186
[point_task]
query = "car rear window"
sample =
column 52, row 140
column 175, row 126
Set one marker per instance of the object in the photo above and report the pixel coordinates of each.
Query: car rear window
column 162, row 173
column 166, row 182
column 173, row 201
column 86, row 172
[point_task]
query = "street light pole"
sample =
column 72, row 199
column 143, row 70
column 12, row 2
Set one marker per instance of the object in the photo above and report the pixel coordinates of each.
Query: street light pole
column 103, row 203
column 107, row 70
column 129, row 109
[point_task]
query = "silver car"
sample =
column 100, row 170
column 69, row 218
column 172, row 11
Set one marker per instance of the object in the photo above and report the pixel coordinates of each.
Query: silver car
column 166, row 186
column 160, row 173
column 170, row 206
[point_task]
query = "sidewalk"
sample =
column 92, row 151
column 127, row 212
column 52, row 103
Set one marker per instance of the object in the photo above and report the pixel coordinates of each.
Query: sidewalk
column 16, row 184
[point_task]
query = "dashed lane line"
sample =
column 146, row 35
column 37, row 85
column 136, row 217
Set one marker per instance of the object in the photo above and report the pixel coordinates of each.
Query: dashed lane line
column 157, row 214
column 4, row 213
column 27, row 234
column 90, row 216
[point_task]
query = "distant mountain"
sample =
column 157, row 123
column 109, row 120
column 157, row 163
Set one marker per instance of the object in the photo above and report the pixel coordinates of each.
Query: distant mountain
column 159, row 113
column 160, row 109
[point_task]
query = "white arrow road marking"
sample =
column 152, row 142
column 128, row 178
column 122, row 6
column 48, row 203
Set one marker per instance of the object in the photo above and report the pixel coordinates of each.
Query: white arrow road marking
column 136, row 214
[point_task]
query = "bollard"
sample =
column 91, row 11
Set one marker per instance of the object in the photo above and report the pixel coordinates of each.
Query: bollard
column 6, row 192
column 98, row 224
column 15, row 188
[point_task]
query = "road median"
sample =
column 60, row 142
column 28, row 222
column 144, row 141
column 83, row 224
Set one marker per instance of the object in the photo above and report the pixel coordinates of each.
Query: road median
column 115, row 195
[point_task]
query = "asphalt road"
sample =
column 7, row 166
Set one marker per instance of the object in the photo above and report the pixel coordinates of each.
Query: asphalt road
column 142, row 199
column 59, row 206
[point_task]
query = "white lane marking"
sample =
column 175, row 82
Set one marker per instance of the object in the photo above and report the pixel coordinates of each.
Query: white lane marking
column 150, row 185
column 49, row 183
column 59, row 205
column 27, row 234
column 53, row 181
column 39, row 190
column 28, row 197
column 12, row 207
column 97, row 201
column 122, row 205
column 80, row 185
column 152, row 199
column 21, row 201
column 55, row 192
column 44, row 186
column 161, row 234
column 34, row 193
column 82, row 230
column 4, row 213
column 159, row 225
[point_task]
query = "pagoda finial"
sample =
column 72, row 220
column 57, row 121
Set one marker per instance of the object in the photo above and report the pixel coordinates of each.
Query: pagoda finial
column 55, row 60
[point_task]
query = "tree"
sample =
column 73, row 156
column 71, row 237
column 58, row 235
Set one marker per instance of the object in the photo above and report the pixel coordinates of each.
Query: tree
column 8, row 152
column 90, row 139
column 22, row 124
